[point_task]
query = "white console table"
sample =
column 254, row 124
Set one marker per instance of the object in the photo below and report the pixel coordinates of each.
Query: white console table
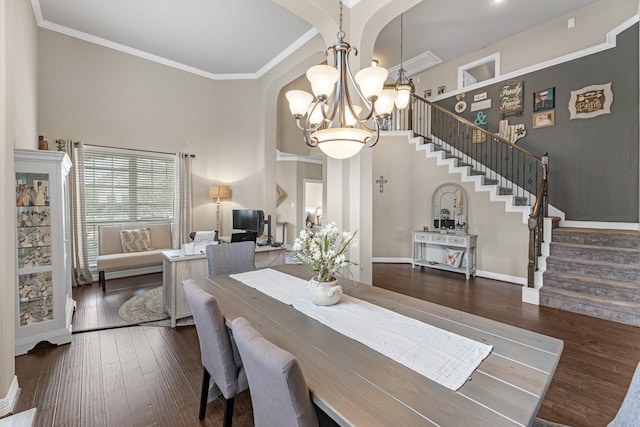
column 430, row 250
column 177, row 267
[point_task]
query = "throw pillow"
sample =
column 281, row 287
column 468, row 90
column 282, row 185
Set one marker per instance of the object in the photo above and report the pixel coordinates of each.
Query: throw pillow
column 137, row 240
column 454, row 257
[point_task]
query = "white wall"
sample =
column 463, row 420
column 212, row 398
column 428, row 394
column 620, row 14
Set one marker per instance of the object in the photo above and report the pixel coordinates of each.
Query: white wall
column 542, row 43
column 105, row 97
column 18, row 116
column 405, row 206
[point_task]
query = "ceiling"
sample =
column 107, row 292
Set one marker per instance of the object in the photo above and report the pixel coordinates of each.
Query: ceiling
column 245, row 38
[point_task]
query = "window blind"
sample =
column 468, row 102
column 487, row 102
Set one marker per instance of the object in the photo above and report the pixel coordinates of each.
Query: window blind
column 126, row 186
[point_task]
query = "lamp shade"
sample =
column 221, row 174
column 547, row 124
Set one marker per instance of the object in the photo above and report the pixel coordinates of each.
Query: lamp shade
column 349, row 118
column 341, row 143
column 323, row 78
column 384, row 105
column 404, row 94
column 299, row 101
column 219, row 191
column 371, row 80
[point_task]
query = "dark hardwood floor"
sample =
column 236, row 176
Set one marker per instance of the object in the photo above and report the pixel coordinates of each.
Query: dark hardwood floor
column 150, row 376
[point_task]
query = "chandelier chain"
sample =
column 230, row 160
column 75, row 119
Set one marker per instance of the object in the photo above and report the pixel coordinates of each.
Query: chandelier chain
column 401, row 39
column 341, row 32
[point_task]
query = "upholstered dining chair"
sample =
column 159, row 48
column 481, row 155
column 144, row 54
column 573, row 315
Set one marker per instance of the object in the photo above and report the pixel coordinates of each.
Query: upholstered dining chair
column 227, row 258
column 219, row 360
column 279, row 392
column 628, row 414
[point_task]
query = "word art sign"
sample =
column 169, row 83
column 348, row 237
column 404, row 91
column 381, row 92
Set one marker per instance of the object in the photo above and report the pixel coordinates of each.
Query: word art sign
column 590, row 101
column 511, row 98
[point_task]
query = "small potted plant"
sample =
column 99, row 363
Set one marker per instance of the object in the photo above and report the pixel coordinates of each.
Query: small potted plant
column 325, row 253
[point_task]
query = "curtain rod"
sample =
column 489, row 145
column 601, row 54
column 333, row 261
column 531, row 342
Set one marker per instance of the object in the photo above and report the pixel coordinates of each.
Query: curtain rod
column 134, row 149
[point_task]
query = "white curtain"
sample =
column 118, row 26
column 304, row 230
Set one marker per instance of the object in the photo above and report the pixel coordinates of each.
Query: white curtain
column 184, row 199
column 77, row 218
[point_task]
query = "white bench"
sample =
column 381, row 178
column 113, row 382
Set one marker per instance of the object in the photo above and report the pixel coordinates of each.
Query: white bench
column 111, row 256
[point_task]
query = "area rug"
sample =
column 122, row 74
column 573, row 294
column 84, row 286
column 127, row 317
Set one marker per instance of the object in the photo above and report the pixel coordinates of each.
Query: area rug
column 148, row 309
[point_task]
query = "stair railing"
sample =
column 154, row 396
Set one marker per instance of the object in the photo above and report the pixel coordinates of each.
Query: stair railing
column 515, row 170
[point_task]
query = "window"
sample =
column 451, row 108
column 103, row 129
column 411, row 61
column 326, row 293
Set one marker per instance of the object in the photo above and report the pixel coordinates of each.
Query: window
column 126, row 186
column 479, row 71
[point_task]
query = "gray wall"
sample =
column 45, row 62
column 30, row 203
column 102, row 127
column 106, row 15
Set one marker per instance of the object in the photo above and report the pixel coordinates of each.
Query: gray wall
column 593, row 162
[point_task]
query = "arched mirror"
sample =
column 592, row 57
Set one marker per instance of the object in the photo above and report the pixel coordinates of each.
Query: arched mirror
column 450, row 206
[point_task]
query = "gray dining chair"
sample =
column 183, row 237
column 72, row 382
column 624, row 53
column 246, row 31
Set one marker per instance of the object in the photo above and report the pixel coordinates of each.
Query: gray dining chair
column 220, row 359
column 628, row 414
column 228, row 258
column 279, row 392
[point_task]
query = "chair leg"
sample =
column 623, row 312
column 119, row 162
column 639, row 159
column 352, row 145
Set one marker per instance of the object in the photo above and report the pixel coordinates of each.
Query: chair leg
column 102, row 280
column 228, row 411
column 204, row 393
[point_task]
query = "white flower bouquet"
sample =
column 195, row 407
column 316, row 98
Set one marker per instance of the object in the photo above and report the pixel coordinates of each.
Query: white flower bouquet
column 325, row 252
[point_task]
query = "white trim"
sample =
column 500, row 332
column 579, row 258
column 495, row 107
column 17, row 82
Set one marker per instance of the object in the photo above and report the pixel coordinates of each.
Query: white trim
column 37, row 11
column 502, row 277
column 288, row 51
column 461, row 69
column 633, row 226
column 290, row 157
column 387, row 260
column 610, row 43
column 531, row 295
column 8, row 402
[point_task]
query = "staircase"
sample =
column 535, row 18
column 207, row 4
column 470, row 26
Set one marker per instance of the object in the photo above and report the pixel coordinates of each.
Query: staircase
column 470, row 171
column 594, row 272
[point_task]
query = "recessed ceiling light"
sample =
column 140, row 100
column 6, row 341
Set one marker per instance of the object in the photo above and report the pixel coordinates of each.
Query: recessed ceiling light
column 496, row 1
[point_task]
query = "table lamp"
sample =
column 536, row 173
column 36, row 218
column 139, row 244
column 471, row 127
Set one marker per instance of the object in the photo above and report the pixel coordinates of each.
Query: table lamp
column 219, row 192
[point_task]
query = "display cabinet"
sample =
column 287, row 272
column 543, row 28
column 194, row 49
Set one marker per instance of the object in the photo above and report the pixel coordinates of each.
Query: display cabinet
column 44, row 305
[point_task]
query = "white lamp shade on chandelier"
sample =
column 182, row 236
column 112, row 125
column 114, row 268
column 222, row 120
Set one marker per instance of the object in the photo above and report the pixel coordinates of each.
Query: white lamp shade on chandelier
column 331, row 119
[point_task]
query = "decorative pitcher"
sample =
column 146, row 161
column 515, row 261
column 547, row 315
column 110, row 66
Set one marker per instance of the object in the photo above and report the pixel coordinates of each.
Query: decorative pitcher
column 324, row 293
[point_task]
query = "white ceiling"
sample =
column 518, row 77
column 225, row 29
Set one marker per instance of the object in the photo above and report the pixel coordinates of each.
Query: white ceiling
column 245, row 38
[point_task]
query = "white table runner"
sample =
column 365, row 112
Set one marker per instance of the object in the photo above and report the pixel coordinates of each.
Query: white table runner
column 439, row 355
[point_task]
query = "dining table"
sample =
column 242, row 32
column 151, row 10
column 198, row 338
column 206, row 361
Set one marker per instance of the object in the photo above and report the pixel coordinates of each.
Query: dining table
column 356, row 385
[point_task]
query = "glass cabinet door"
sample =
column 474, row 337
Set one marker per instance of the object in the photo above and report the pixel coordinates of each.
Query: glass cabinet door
column 33, row 235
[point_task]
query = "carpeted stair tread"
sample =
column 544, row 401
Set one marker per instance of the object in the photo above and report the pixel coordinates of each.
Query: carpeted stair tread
column 616, row 289
column 597, row 237
column 603, row 269
column 603, row 308
column 595, row 253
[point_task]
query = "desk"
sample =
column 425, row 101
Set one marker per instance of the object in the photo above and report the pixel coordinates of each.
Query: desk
column 358, row 386
column 177, row 267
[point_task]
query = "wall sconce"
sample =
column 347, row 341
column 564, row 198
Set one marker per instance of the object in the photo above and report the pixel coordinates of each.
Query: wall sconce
column 217, row 193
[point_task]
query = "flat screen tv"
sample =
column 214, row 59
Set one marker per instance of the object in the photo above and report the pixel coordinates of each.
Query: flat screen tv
column 249, row 220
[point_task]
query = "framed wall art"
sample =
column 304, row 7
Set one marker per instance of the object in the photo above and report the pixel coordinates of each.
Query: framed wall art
column 511, row 98
column 590, row 101
column 544, row 99
column 544, row 119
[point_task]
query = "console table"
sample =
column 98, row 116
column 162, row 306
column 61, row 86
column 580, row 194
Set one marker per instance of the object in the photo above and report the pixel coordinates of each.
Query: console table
column 430, row 250
column 177, row 267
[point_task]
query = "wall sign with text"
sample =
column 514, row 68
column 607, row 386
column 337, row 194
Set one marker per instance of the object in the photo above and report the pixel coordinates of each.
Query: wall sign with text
column 511, row 98
column 591, row 101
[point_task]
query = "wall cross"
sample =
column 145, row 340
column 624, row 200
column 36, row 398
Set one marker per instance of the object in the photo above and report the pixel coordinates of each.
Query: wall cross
column 382, row 182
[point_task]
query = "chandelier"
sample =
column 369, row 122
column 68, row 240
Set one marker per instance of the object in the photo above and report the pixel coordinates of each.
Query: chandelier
column 334, row 118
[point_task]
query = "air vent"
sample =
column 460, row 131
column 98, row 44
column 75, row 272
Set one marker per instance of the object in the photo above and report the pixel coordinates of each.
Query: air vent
column 416, row 64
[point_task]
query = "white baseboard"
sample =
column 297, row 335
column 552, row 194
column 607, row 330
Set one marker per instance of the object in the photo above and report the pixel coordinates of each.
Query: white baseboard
column 531, row 295
column 8, row 402
column 502, row 277
column 384, row 260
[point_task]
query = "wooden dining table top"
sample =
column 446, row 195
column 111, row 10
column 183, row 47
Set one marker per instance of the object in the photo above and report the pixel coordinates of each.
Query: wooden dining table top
column 358, row 386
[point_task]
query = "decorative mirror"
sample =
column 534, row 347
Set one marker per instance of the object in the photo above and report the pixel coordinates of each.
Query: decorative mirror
column 450, row 204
